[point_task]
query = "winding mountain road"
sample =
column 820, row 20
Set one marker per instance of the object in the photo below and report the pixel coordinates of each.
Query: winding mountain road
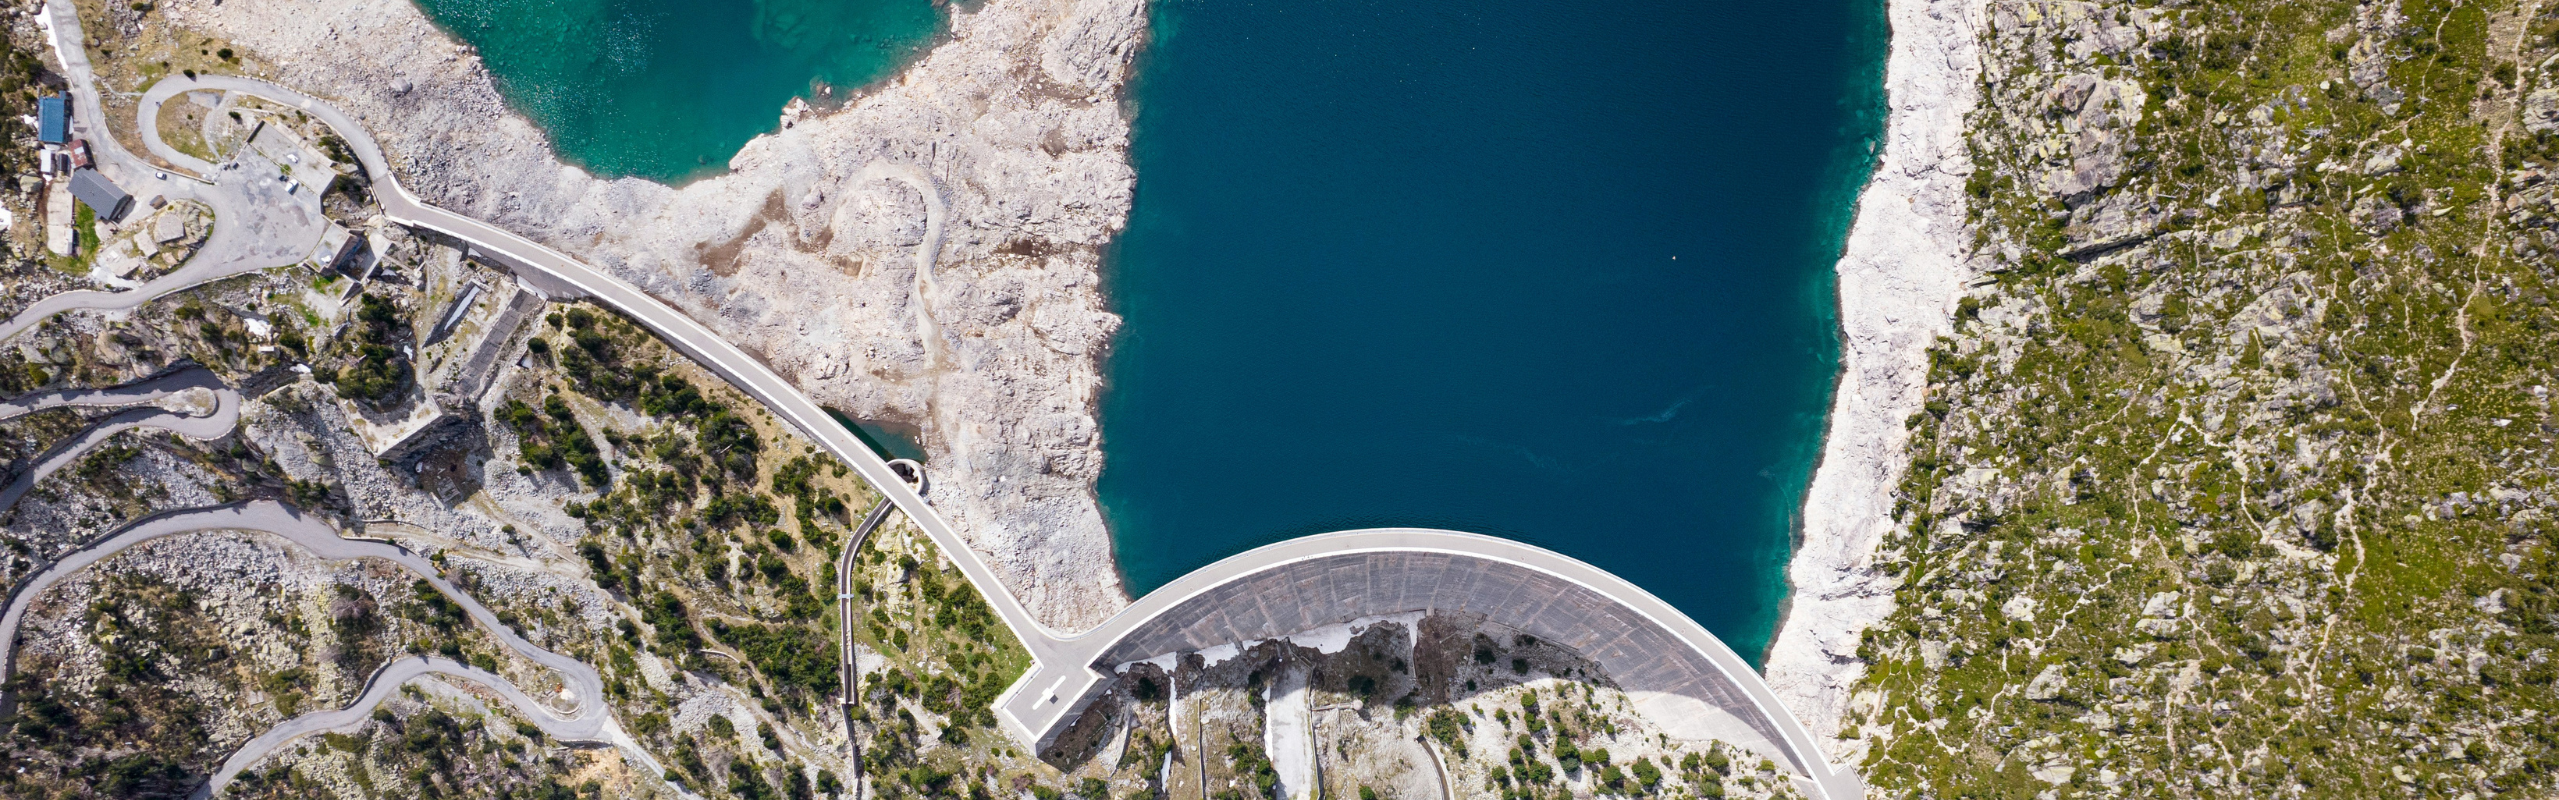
column 936, row 210
column 255, row 226
column 586, row 719
column 148, row 390
column 193, row 423
column 377, row 688
column 1402, row 564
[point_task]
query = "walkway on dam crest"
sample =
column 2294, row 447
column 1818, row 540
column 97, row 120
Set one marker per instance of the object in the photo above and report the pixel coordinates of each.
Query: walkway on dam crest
column 1647, row 645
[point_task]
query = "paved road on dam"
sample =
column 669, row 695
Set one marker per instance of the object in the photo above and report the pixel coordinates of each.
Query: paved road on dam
column 586, row 719
column 1062, row 677
column 1642, row 642
column 217, row 412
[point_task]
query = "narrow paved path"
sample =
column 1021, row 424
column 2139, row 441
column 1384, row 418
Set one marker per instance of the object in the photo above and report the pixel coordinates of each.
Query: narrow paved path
column 254, row 227
column 586, row 719
column 379, row 688
column 213, row 423
column 936, row 211
column 848, row 652
column 844, row 597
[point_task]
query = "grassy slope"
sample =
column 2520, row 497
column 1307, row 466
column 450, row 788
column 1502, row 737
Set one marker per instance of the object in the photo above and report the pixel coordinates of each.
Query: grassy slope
column 2263, row 501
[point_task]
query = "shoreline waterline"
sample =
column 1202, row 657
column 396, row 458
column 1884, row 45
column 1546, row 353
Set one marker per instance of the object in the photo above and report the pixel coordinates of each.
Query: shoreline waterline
column 1477, row 280
column 1899, row 277
column 671, row 91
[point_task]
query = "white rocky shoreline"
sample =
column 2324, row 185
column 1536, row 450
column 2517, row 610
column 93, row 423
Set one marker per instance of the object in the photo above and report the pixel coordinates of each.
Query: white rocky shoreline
column 1016, row 116
column 803, row 254
column 1899, row 277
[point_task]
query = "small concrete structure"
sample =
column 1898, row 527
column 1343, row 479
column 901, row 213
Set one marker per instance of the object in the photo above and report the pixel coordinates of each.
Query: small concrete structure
column 58, row 237
column 100, row 195
column 170, row 227
column 120, row 259
column 311, row 170
column 340, row 250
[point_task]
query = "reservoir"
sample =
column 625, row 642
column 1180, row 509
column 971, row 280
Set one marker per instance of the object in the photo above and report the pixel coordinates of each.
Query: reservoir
column 1557, row 272
column 670, row 89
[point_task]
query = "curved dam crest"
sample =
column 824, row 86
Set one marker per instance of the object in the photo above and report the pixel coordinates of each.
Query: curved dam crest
column 1555, row 273
column 1542, row 272
column 1579, row 387
column 1647, row 644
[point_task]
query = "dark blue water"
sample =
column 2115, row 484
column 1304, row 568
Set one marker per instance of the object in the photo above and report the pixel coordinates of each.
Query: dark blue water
column 1554, row 271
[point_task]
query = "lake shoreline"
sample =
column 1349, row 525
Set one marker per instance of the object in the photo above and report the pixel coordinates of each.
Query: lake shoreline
column 1898, row 279
column 804, row 255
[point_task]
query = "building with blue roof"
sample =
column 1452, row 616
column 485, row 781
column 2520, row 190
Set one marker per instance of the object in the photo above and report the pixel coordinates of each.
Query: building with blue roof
column 53, row 119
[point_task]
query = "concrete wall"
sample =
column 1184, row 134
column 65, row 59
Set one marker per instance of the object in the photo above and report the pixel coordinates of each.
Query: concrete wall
column 1663, row 672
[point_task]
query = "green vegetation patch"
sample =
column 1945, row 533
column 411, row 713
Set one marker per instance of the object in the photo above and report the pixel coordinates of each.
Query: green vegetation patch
column 379, row 374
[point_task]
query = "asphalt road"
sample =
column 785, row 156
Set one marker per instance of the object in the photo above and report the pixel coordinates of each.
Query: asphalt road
column 148, row 390
column 253, row 228
column 1062, row 672
column 586, row 716
column 224, row 415
column 1061, row 677
column 377, row 688
column 683, row 332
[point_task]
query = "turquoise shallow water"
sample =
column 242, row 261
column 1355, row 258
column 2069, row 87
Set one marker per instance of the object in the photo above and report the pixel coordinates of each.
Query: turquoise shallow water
column 1560, row 272
column 670, row 89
